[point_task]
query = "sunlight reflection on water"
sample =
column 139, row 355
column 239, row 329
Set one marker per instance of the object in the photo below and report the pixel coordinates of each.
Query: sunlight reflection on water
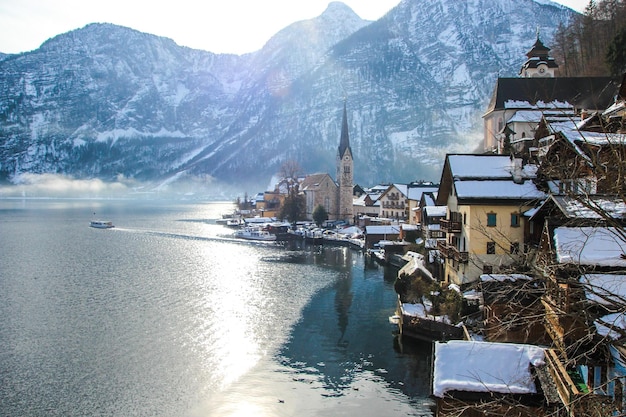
column 168, row 315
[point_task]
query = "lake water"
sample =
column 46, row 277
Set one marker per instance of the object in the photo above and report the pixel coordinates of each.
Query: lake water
column 168, row 315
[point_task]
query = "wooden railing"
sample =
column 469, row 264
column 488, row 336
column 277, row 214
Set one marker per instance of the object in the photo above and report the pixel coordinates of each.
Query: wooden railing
column 565, row 386
column 450, row 226
column 449, row 251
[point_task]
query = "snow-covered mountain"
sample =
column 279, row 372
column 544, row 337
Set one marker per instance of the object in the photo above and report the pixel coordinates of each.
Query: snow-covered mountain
column 106, row 101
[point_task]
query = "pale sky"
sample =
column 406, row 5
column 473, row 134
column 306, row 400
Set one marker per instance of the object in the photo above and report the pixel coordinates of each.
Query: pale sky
column 220, row 26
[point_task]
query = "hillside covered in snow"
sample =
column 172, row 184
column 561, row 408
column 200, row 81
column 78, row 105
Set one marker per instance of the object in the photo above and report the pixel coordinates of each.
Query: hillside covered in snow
column 109, row 102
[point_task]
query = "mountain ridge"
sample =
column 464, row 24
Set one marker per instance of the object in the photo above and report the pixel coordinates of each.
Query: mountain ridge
column 107, row 102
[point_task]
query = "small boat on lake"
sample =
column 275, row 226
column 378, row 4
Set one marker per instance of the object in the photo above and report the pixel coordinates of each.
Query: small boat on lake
column 101, row 224
column 234, row 222
column 252, row 233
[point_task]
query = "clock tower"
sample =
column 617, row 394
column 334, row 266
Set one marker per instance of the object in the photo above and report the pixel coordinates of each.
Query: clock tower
column 345, row 166
column 539, row 62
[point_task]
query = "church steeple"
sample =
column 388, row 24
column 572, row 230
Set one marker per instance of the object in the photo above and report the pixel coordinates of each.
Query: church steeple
column 344, row 142
column 345, row 165
column 539, row 62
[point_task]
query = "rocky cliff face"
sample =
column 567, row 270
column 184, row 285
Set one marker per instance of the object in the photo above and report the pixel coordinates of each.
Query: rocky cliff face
column 106, row 101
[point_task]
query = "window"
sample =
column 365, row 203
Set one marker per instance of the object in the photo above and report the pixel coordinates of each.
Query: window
column 491, row 219
column 487, row 269
column 515, row 219
column 491, row 248
column 515, row 247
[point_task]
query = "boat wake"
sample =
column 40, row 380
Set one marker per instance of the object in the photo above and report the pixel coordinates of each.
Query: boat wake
column 173, row 235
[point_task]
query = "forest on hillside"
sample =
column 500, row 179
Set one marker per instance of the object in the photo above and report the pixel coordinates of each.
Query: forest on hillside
column 594, row 43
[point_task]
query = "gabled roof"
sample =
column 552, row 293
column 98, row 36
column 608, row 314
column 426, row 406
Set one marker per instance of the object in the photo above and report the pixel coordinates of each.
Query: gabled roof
column 574, row 209
column 401, row 188
column 482, row 167
column 573, row 134
column 485, row 367
column 535, row 116
column 486, row 177
column 592, row 93
column 382, row 230
column 312, row 182
column 380, row 188
column 591, row 246
column 415, row 193
column 607, row 289
column 500, row 190
column 436, row 211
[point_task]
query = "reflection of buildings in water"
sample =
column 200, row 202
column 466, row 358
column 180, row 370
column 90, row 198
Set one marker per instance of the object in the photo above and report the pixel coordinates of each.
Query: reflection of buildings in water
column 343, row 302
column 344, row 337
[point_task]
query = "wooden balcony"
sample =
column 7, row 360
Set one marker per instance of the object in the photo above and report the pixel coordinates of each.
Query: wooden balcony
column 579, row 398
column 449, row 251
column 461, row 257
column 565, row 386
column 450, row 226
column 443, row 248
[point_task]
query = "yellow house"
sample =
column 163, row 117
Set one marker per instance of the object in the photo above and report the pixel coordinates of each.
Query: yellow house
column 486, row 197
column 271, row 203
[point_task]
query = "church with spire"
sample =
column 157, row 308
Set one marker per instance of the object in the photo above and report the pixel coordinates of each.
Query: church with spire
column 334, row 195
column 518, row 104
column 539, row 62
column 345, row 168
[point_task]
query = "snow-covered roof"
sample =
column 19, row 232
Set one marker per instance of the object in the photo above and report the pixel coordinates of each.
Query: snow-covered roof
column 599, row 246
column 606, row 289
column 422, row 311
column 402, row 188
column 436, row 211
column 614, row 207
column 574, row 135
column 374, row 196
column 360, row 201
column 526, row 116
column 497, row 189
column 618, row 106
column 504, row 277
column 414, row 263
column 415, row 193
column 381, row 230
column 520, row 104
column 485, row 367
column 377, row 189
column 471, row 166
column 430, row 199
column 351, row 230
column 573, row 132
column 612, row 325
column 535, row 116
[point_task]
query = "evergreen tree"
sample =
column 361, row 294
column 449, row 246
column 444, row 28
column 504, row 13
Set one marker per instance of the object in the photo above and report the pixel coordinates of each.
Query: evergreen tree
column 583, row 46
column 320, row 215
column 616, row 53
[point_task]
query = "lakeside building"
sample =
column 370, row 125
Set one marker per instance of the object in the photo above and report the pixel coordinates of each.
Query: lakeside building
column 486, row 197
column 335, row 195
column 517, row 104
column 576, row 239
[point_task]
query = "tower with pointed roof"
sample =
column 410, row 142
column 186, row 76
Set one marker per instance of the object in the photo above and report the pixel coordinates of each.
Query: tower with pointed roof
column 345, row 173
column 539, row 62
